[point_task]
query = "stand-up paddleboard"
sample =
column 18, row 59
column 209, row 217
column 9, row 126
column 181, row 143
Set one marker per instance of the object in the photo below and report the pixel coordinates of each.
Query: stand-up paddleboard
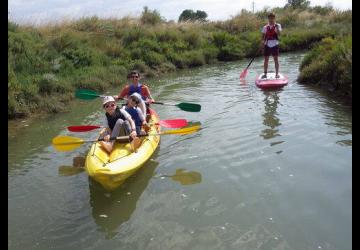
column 270, row 82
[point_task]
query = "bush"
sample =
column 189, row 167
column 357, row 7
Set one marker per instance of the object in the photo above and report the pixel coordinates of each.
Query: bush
column 152, row 58
column 151, row 17
column 49, row 84
column 330, row 63
column 194, row 58
column 80, row 57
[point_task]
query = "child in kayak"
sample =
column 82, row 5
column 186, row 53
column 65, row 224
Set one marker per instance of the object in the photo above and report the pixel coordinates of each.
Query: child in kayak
column 271, row 33
column 117, row 122
column 136, row 113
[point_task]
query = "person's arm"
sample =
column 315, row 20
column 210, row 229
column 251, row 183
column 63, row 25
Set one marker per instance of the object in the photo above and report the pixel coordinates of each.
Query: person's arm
column 263, row 31
column 278, row 28
column 147, row 93
column 133, row 127
column 123, row 93
column 131, row 121
column 105, row 129
column 141, row 115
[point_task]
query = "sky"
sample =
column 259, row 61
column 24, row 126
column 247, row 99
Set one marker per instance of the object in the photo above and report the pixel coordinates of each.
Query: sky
column 43, row 11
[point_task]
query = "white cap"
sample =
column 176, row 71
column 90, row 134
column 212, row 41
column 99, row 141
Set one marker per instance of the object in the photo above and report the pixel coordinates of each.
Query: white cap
column 108, row 99
column 137, row 95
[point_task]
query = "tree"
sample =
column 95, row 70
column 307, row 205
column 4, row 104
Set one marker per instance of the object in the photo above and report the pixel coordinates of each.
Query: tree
column 201, row 15
column 150, row 16
column 298, row 4
column 190, row 15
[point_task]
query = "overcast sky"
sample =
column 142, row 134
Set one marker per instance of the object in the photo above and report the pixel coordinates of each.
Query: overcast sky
column 38, row 11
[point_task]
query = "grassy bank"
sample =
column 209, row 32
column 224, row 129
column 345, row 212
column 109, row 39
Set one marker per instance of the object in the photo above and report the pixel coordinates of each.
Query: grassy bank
column 48, row 63
column 329, row 64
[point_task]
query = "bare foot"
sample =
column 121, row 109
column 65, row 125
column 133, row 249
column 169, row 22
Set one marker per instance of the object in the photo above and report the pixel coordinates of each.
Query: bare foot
column 135, row 143
column 107, row 146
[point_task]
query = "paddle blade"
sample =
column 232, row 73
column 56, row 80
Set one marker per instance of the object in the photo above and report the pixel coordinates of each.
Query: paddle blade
column 86, row 94
column 66, row 143
column 243, row 74
column 190, row 107
column 176, row 123
column 84, row 128
column 183, row 131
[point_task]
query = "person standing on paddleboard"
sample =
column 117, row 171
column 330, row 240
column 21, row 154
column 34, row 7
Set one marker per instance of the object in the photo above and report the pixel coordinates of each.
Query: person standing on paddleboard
column 271, row 33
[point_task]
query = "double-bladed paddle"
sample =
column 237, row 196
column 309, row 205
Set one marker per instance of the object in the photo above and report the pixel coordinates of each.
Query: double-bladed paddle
column 175, row 123
column 87, row 94
column 68, row 143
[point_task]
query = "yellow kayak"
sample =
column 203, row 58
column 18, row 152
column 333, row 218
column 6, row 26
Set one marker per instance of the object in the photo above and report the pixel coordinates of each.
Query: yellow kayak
column 111, row 170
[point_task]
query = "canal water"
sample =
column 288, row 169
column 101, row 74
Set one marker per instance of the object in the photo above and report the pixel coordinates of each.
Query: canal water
column 268, row 170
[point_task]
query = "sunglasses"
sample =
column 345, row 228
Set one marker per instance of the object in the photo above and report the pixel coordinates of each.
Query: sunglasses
column 134, row 100
column 134, row 76
column 109, row 105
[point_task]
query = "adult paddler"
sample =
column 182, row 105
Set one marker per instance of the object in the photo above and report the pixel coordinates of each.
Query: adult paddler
column 135, row 87
column 271, row 33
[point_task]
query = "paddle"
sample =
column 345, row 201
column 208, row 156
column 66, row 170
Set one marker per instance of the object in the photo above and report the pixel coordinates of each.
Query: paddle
column 175, row 123
column 245, row 71
column 190, row 107
column 68, row 143
column 87, row 94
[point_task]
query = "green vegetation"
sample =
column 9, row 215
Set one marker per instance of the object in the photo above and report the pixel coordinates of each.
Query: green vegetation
column 190, row 15
column 329, row 63
column 48, row 63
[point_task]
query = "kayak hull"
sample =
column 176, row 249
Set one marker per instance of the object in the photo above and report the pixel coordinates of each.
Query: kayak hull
column 271, row 82
column 111, row 170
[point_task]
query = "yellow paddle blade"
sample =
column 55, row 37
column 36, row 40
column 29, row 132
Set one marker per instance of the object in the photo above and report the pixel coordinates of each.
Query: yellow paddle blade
column 66, row 143
column 183, row 131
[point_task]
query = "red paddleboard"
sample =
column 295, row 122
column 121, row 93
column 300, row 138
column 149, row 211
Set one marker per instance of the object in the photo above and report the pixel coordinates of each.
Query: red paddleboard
column 270, row 82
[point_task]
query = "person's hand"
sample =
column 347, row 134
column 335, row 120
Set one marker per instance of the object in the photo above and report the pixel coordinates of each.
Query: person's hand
column 277, row 28
column 133, row 134
column 107, row 138
column 149, row 101
column 146, row 127
column 263, row 44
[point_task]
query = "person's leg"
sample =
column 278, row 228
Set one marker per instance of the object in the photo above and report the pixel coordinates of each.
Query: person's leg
column 121, row 128
column 106, row 145
column 275, row 54
column 266, row 63
column 276, row 66
column 266, row 60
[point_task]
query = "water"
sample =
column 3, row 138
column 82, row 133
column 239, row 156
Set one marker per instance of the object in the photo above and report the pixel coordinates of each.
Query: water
column 269, row 170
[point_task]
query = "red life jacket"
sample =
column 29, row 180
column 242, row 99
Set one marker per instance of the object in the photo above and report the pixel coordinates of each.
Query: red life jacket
column 270, row 33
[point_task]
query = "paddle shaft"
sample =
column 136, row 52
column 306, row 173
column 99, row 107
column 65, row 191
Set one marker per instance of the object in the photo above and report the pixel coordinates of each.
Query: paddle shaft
column 257, row 52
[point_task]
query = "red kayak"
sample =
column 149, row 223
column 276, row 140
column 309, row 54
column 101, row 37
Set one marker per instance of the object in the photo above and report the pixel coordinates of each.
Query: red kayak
column 270, row 82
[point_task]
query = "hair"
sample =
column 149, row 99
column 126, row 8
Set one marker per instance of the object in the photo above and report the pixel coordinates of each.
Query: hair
column 271, row 15
column 134, row 72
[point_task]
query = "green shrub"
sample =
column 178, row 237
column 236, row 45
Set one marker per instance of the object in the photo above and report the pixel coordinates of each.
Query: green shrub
column 330, row 62
column 194, row 58
column 49, row 84
column 151, row 17
column 152, row 58
column 80, row 57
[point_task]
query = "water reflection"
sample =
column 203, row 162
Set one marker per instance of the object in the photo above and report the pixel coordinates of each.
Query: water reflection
column 270, row 118
column 184, row 178
column 76, row 168
column 111, row 209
